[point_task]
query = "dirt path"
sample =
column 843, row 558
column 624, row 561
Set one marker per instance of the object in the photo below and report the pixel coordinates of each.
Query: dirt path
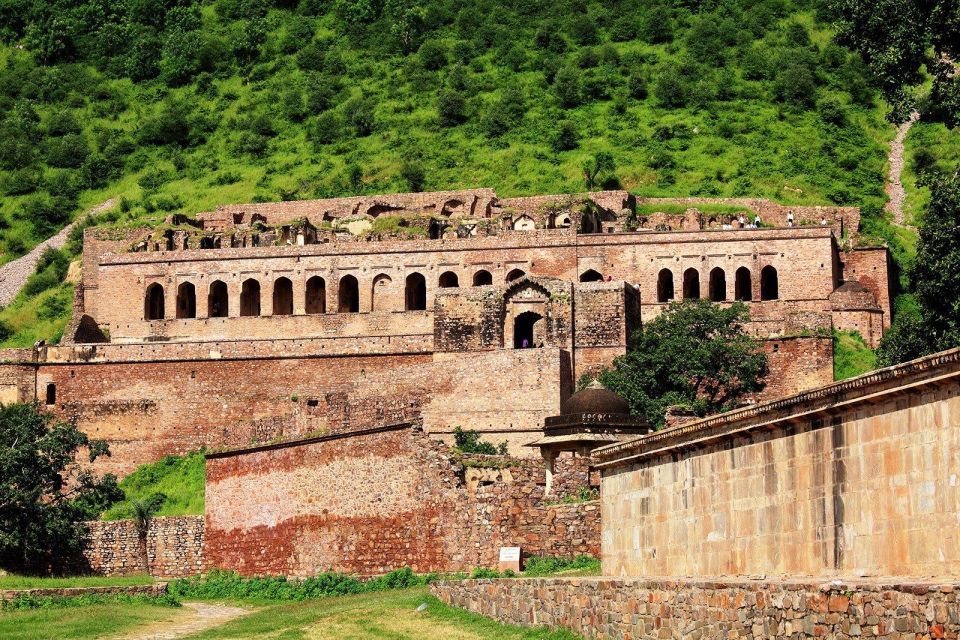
column 894, row 186
column 194, row 617
column 14, row 274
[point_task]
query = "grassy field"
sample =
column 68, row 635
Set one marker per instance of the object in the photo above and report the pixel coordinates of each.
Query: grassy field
column 851, row 355
column 79, row 623
column 390, row 615
column 33, row 582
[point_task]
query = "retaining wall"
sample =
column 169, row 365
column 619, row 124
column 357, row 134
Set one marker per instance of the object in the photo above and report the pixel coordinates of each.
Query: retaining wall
column 644, row 608
column 175, row 547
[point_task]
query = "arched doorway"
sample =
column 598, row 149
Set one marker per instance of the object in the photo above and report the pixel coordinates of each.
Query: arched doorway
column 665, row 285
column 282, row 297
column 718, row 284
column 250, row 298
column 769, row 284
column 448, row 279
column 416, row 293
column 153, row 302
column 349, row 295
column 186, row 300
column 525, row 330
column 743, row 287
column 691, row 284
column 591, row 275
column 218, row 300
column 316, row 295
column 482, row 277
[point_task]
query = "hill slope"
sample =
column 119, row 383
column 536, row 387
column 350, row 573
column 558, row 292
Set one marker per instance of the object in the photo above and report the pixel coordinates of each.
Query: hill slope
column 174, row 105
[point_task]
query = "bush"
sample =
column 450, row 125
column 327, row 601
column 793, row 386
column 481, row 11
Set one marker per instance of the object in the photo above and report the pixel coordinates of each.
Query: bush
column 568, row 87
column 359, row 112
column 55, row 306
column 413, row 174
column 670, row 89
column 62, row 123
column 325, row 128
column 795, row 85
column 68, row 151
column 21, row 182
column 5, row 330
column 469, row 442
column 565, row 138
column 433, row 55
column 451, row 107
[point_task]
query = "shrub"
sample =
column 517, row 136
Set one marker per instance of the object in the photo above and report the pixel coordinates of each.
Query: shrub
column 565, row 138
column 413, row 174
column 61, row 123
column 469, row 442
column 359, row 112
column 831, row 111
column 583, row 30
column 325, row 128
column 21, row 181
column 795, row 85
column 670, row 89
column 433, row 55
column 568, row 87
column 68, row 151
column 55, row 306
column 5, row 330
column 451, row 107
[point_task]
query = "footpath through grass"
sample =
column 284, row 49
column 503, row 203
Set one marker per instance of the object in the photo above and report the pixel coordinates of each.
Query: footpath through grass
column 389, row 614
column 79, row 623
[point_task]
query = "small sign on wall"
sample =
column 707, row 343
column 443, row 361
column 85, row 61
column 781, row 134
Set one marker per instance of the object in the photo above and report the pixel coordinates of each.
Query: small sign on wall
column 509, row 559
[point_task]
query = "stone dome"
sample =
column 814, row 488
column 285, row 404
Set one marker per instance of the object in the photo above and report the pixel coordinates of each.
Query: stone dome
column 595, row 398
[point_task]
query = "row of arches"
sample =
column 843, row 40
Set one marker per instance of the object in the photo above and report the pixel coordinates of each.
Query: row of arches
column 717, row 285
column 315, row 301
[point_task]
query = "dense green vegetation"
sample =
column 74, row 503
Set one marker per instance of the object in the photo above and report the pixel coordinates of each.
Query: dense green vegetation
column 179, row 478
column 13, row 581
column 851, row 355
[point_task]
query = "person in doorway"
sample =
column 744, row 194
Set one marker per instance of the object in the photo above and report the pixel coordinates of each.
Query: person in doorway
column 525, row 344
column 742, row 221
column 823, row 221
column 756, row 221
column 790, row 218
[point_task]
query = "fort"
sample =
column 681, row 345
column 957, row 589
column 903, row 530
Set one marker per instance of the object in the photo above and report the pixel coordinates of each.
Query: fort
column 264, row 321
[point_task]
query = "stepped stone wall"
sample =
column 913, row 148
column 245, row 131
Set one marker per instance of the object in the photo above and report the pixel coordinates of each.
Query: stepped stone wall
column 174, row 547
column 706, row 608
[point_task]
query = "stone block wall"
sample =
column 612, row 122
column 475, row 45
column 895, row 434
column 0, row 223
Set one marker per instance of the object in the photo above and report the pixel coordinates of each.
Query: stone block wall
column 370, row 502
column 858, row 477
column 175, row 547
column 872, row 267
column 649, row 609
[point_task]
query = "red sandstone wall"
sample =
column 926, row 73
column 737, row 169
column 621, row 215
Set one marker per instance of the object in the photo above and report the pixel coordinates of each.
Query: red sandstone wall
column 797, row 364
column 372, row 502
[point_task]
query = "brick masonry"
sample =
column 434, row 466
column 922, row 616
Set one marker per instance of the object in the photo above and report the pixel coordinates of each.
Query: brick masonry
column 175, row 547
column 648, row 609
column 410, row 501
column 149, row 590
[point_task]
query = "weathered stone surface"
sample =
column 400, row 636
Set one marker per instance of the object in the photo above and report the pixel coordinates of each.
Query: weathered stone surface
column 175, row 547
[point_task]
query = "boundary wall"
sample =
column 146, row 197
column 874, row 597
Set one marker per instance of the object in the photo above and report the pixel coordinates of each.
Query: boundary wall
column 174, row 547
column 649, row 609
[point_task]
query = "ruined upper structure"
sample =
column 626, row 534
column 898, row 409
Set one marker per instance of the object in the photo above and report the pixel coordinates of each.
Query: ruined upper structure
column 456, row 308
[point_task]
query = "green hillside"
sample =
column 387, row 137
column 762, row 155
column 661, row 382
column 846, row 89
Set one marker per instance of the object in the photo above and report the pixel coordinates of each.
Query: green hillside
column 176, row 105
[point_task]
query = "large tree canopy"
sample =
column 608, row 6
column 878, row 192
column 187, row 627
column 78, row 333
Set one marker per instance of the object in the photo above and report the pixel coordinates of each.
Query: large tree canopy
column 45, row 494
column 695, row 353
column 896, row 38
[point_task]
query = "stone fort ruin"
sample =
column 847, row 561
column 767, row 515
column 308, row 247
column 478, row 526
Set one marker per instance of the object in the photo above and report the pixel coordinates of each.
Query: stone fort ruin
column 267, row 321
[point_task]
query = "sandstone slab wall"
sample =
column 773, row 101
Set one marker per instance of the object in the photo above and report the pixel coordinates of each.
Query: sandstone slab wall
column 648, row 609
column 858, row 477
column 175, row 547
column 370, row 502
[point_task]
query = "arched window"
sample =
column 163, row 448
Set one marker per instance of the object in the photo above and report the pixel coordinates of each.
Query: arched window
column 153, row 303
column 691, row 284
column 449, row 279
column 186, row 300
column 665, row 285
column 718, row 284
column 316, row 295
column 51, row 393
column 743, row 289
column 218, row 300
column 250, row 298
column 378, row 296
column 591, row 275
column 349, row 295
column 524, row 223
column 769, row 284
column 525, row 330
column 416, row 292
column 282, row 297
column 515, row 274
column 482, row 277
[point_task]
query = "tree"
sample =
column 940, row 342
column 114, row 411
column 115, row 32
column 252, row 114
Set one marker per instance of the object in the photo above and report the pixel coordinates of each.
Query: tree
column 593, row 168
column 142, row 510
column 451, row 107
column 696, row 353
column 568, row 86
column 894, row 38
column 413, row 174
column 45, row 493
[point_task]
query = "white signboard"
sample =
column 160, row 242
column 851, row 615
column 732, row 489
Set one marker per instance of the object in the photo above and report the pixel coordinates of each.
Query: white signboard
column 509, row 554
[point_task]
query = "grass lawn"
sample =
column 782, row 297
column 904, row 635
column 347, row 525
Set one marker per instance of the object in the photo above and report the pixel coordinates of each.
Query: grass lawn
column 95, row 621
column 32, row 582
column 389, row 614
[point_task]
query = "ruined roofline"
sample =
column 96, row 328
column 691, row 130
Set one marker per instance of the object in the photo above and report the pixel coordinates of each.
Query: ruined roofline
column 536, row 239
column 923, row 371
column 298, row 442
